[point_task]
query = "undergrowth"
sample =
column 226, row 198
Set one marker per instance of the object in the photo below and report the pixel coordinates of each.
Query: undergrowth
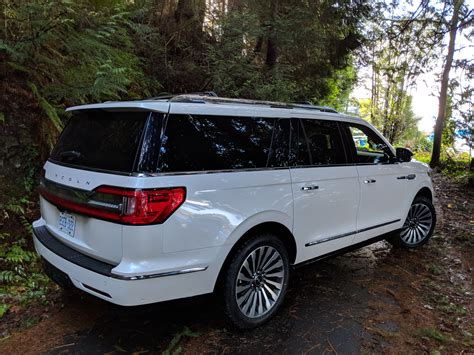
column 456, row 166
column 21, row 276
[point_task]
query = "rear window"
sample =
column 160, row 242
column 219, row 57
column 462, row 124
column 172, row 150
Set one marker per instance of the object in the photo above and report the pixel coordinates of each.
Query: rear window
column 202, row 143
column 102, row 140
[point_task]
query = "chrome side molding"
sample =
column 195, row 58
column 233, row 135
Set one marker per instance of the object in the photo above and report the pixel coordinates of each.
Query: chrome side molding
column 328, row 239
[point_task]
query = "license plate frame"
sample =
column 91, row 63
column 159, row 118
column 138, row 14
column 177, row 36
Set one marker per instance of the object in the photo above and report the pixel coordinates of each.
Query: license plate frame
column 67, row 223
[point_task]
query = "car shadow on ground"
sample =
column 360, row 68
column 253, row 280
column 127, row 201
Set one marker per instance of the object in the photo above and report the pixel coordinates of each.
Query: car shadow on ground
column 322, row 313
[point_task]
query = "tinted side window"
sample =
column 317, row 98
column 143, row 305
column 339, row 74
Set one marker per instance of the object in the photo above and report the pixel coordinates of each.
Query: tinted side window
column 199, row 143
column 318, row 143
column 368, row 146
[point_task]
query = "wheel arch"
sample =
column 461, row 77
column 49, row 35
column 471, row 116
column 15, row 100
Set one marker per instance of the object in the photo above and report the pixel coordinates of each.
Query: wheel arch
column 277, row 228
column 423, row 190
column 426, row 192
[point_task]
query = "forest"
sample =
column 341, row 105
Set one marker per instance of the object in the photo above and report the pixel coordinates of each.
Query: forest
column 56, row 54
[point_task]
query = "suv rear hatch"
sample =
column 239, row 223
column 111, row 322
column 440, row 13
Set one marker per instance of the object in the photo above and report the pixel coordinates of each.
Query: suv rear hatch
column 89, row 179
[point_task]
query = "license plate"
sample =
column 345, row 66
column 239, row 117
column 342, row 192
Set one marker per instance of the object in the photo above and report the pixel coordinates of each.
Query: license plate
column 67, row 223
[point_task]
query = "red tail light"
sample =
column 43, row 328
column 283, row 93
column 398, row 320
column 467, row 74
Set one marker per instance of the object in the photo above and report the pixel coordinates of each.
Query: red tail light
column 127, row 206
column 146, row 206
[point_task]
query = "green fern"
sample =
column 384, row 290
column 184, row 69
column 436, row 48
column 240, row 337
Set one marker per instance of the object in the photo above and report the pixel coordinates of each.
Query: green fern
column 47, row 108
column 15, row 208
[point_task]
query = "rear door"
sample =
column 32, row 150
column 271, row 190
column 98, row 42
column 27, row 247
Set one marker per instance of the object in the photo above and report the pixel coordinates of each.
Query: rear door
column 382, row 190
column 325, row 189
column 234, row 164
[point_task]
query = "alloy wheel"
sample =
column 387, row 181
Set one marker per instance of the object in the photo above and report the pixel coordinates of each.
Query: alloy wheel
column 260, row 281
column 417, row 225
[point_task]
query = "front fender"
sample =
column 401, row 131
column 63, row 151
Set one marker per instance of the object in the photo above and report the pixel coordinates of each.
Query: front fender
column 421, row 184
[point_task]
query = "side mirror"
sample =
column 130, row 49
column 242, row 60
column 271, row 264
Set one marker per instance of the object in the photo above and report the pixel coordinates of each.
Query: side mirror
column 404, row 154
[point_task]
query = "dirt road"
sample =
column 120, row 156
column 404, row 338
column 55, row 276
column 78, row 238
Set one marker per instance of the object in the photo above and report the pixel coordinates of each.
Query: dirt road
column 374, row 300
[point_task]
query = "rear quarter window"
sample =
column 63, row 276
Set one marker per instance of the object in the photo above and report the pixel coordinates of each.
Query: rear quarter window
column 101, row 140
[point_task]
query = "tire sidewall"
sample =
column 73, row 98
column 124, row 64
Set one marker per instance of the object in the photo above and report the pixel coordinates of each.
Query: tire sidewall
column 230, row 303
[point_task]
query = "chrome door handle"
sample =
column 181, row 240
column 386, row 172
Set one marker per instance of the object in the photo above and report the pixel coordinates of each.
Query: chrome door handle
column 309, row 188
column 408, row 177
column 370, row 181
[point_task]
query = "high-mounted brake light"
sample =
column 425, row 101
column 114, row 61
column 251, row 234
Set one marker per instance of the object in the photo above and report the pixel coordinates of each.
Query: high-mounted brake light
column 127, row 206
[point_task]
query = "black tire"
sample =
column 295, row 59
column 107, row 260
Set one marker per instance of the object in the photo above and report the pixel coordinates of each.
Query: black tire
column 262, row 245
column 403, row 238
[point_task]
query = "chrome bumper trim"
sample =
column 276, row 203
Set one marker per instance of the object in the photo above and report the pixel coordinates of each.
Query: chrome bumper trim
column 161, row 274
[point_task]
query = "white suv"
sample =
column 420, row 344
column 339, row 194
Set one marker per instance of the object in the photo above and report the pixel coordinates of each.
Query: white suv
column 147, row 201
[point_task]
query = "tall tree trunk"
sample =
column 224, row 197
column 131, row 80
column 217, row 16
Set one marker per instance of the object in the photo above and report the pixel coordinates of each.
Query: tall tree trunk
column 443, row 94
column 272, row 54
column 373, row 101
column 385, row 119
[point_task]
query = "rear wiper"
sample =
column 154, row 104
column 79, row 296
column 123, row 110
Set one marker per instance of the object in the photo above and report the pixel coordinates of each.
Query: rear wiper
column 72, row 154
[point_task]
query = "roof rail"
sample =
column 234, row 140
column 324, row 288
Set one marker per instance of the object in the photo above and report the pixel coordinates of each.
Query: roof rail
column 211, row 97
column 313, row 107
column 171, row 96
column 204, row 93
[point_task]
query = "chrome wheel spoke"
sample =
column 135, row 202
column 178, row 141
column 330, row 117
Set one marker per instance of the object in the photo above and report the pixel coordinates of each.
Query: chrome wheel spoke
column 260, row 302
column 274, row 256
column 244, row 298
column 274, row 267
column 268, row 304
column 248, row 303
column 417, row 225
column 247, row 268
column 274, row 283
column 276, row 274
column 264, row 255
column 270, row 291
column 424, row 227
column 259, row 281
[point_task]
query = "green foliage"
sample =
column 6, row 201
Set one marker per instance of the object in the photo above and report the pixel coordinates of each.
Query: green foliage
column 20, row 276
column 454, row 165
column 173, row 347
column 423, row 156
column 421, row 143
column 14, row 257
column 72, row 52
column 47, row 108
column 433, row 334
column 435, row 269
column 3, row 309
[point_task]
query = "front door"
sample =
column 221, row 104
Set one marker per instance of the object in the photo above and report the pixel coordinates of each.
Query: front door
column 382, row 188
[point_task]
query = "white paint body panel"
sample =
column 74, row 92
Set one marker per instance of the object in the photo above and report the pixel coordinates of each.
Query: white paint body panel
column 220, row 208
column 328, row 211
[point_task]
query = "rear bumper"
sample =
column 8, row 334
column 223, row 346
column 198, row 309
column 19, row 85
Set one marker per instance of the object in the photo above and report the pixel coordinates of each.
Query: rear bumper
column 97, row 277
